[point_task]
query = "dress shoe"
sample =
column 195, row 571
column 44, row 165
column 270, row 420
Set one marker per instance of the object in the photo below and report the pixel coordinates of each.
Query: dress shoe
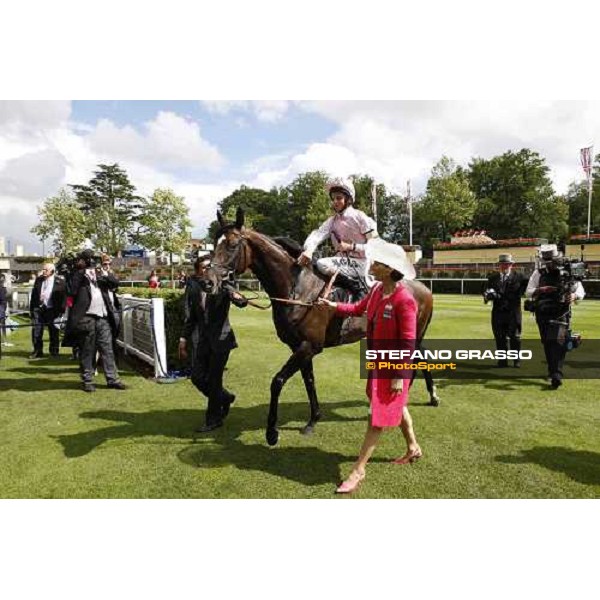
column 206, row 428
column 410, row 457
column 88, row 387
column 555, row 383
column 116, row 385
column 227, row 402
column 502, row 364
column 36, row 355
column 351, row 484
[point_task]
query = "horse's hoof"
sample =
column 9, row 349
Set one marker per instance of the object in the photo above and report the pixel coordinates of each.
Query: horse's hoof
column 435, row 401
column 272, row 437
column 307, row 429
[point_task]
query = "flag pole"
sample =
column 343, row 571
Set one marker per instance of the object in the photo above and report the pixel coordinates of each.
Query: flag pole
column 409, row 200
column 590, row 191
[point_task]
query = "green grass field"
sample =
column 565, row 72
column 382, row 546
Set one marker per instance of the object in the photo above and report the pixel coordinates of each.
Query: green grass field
column 495, row 439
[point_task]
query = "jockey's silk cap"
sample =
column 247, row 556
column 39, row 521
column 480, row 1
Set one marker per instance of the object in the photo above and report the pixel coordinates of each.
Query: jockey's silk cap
column 343, row 184
column 391, row 255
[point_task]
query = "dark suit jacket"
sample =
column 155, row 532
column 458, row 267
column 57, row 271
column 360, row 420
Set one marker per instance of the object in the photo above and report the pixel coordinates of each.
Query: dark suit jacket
column 82, row 298
column 210, row 324
column 510, row 292
column 3, row 300
column 58, row 296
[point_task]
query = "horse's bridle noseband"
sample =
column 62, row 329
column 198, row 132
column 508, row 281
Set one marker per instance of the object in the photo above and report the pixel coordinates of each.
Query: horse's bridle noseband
column 239, row 261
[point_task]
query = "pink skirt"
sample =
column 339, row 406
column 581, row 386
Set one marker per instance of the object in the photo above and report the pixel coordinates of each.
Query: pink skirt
column 386, row 405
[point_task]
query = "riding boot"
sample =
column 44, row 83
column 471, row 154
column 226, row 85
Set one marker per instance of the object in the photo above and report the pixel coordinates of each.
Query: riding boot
column 348, row 283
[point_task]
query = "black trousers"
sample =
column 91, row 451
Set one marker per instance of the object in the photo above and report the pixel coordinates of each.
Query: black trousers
column 207, row 376
column 44, row 317
column 552, row 334
column 506, row 326
column 95, row 334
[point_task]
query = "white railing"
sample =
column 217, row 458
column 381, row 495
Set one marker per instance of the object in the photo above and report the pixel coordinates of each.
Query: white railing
column 142, row 332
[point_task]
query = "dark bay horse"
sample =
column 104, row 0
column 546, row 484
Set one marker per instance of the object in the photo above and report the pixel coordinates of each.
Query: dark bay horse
column 304, row 328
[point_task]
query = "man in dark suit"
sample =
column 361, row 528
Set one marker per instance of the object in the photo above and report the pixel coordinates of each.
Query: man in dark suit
column 207, row 326
column 94, row 320
column 505, row 288
column 3, row 307
column 48, row 302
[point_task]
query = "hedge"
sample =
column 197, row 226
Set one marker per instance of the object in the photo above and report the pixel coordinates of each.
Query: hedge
column 174, row 316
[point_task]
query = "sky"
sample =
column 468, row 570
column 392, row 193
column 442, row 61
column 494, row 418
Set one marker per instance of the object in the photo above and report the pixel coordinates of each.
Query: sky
column 203, row 150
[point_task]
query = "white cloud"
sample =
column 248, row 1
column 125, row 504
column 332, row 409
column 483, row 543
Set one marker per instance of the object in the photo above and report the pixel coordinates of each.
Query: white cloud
column 34, row 175
column 33, row 115
column 267, row 111
column 169, row 140
column 404, row 139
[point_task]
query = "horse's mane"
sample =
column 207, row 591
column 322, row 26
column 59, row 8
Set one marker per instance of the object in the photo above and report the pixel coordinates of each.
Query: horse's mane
column 292, row 247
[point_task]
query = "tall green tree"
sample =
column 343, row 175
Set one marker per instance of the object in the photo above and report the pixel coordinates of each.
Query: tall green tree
column 60, row 220
column 448, row 203
column 164, row 224
column 308, row 204
column 265, row 211
column 111, row 207
column 515, row 197
column 392, row 209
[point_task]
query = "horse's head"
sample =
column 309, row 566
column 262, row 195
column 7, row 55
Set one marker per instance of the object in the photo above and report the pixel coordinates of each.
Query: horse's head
column 233, row 254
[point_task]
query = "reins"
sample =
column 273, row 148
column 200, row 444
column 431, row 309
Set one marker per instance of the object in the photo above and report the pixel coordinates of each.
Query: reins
column 241, row 247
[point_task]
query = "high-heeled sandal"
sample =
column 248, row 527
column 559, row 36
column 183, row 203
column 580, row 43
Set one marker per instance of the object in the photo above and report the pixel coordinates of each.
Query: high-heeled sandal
column 409, row 458
column 351, row 484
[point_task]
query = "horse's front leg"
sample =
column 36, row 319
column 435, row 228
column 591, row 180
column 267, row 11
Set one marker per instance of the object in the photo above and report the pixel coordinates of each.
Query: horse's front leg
column 294, row 363
column 309, row 383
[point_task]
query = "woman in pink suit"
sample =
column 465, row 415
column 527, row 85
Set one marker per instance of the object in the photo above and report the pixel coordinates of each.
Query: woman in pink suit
column 392, row 323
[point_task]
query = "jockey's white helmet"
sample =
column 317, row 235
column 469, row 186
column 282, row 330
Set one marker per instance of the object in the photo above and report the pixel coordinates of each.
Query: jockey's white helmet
column 343, row 184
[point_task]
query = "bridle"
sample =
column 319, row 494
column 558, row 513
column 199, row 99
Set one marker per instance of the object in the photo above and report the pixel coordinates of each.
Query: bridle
column 240, row 260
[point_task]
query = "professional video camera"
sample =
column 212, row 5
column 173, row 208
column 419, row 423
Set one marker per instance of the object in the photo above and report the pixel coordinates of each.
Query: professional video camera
column 66, row 265
column 570, row 272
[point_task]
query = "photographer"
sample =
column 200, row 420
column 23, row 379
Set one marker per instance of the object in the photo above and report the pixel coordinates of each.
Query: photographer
column 505, row 288
column 94, row 320
column 553, row 287
column 48, row 301
column 207, row 326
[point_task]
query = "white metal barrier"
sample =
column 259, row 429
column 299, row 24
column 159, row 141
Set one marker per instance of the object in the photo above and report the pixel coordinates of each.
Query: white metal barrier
column 142, row 332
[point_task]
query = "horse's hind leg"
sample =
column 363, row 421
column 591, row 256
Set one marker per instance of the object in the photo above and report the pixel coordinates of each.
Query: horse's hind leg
column 434, row 399
column 309, row 383
column 294, row 363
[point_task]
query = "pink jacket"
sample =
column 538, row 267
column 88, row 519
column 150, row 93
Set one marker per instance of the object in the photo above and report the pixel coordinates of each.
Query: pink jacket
column 394, row 319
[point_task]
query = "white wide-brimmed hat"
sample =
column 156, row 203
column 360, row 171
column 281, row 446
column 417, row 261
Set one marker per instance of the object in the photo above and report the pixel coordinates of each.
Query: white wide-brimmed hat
column 548, row 251
column 391, row 255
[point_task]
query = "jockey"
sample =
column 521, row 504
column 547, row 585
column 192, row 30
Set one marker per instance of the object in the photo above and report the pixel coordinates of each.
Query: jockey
column 349, row 230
